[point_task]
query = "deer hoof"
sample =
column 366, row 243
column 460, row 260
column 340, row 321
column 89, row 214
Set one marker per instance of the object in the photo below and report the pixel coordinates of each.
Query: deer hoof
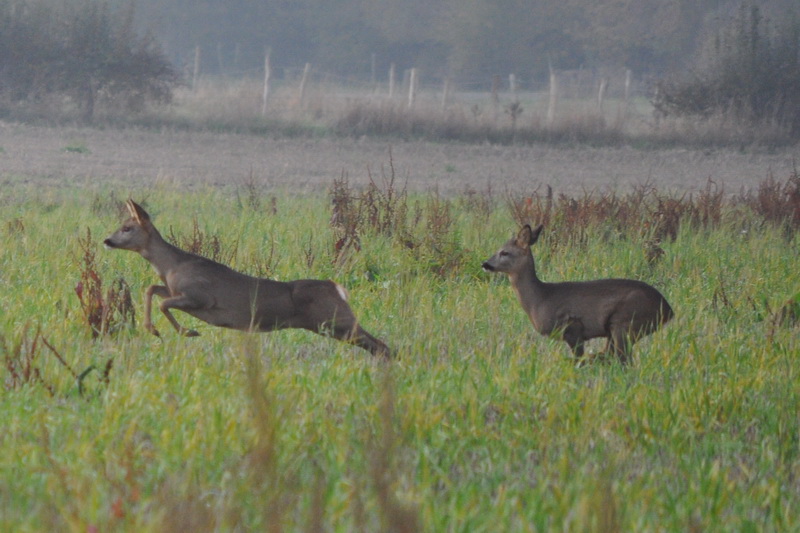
column 153, row 330
column 191, row 333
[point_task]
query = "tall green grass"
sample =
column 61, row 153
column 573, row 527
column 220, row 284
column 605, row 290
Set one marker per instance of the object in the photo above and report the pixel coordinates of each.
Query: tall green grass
column 480, row 425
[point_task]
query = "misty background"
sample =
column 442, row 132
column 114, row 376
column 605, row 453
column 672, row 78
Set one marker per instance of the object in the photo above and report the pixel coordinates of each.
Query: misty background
column 485, row 70
column 466, row 41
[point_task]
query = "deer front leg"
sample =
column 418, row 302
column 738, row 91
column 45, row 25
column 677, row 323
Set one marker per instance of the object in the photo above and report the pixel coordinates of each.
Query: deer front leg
column 162, row 292
column 178, row 302
column 573, row 336
column 182, row 303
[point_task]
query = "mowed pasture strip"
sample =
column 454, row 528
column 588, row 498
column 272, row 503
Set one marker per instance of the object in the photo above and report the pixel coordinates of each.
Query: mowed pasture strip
column 480, row 425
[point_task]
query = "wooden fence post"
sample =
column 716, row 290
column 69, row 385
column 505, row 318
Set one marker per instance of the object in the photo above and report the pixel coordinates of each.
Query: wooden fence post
column 412, row 88
column 267, row 78
column 551, row 106
column 196, row 69
column 220, row 62
column 445, row 93
column 626, row 102
column 495, row 96
column 628, row 76
column 601, row 94
column 303, row 82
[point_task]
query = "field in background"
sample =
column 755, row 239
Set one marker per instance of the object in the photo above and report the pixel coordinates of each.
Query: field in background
column 481, row 425
column 131, row 157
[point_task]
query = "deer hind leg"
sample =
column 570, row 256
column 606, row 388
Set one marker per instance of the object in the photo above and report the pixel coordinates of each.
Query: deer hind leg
column 326, row 311
column 343, row 326
column 363, row 339
column 620, row 343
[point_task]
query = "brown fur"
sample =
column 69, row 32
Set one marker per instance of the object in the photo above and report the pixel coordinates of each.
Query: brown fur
column 224, row 297
column 620, row 310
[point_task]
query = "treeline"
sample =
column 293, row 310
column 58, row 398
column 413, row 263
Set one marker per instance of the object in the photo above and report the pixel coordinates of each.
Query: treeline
column 749, row 72
column 468, row 41
column 78, row 52
column 711, row 58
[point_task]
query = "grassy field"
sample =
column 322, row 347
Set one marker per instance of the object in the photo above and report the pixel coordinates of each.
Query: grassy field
column 480, row 425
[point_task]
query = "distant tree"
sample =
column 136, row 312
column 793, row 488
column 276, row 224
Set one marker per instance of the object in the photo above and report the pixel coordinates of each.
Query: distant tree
column 82, row 49
column 750, row 70
column 26, row 47
column 501, row 37
column 409, row 33
column 643, row 35
column 343, row 39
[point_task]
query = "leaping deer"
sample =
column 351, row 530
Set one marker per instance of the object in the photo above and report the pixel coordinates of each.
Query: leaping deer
column 223, row 297
column 621, row 310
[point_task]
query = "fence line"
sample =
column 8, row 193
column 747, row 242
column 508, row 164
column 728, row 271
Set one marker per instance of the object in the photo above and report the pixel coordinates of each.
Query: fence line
column 585, row 85
column 581, row 84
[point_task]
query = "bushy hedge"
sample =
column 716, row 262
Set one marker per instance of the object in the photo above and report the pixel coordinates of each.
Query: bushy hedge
column 750, row 70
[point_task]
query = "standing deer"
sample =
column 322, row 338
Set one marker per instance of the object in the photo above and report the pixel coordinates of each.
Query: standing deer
column 620, row 310
column 223, row 297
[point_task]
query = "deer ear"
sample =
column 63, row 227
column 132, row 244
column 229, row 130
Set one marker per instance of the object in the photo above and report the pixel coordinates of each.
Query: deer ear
column 137, row 212
column 527, row 236
column 524, row 236
column 535, row 233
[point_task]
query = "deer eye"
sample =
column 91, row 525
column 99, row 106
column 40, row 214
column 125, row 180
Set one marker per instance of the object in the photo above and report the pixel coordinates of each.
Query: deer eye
column 503, row 253
column 126, row 229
